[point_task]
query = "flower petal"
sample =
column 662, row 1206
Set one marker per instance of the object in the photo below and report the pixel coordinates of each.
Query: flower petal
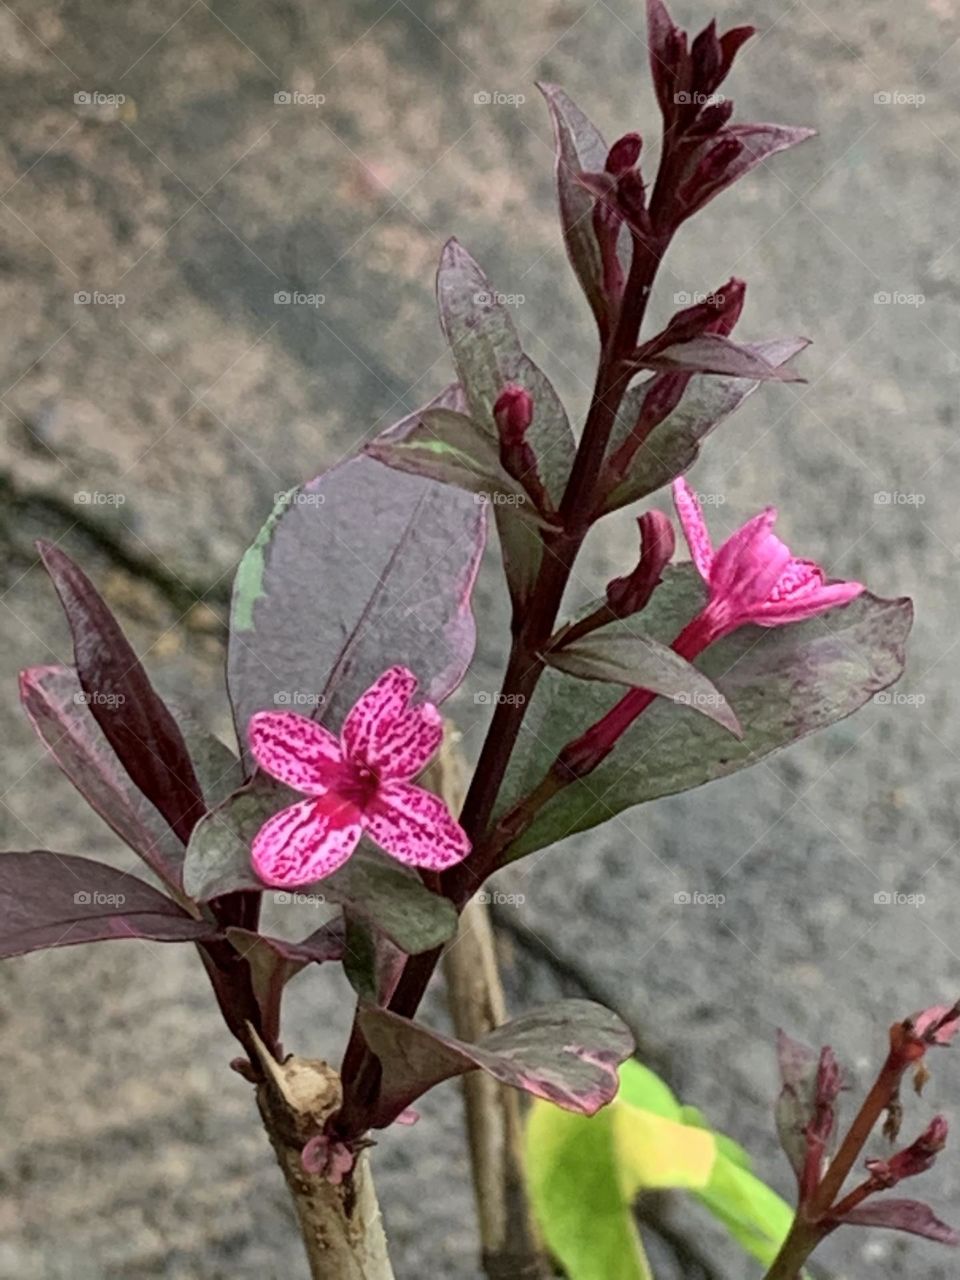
column 416, row 827
column 306, row 841
column 807, row 604
column 746, row 568
column 296, row 750
column 373, row 715
column 408, row 745
column 694, row 527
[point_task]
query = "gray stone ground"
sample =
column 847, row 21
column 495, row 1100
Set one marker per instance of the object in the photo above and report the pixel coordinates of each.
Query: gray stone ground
column 128, row 1149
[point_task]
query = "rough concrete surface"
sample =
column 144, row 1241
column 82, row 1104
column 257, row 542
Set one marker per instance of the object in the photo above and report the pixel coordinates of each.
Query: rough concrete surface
column 129, row 1149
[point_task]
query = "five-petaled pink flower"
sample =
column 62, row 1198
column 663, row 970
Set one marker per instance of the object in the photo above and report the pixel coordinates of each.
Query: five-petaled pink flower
column 355, row 784
column 754, row 577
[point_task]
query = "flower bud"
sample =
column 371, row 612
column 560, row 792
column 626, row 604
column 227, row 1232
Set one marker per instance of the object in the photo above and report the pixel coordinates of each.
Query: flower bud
column 513, row 413
column 624, row 154
column 630, row 594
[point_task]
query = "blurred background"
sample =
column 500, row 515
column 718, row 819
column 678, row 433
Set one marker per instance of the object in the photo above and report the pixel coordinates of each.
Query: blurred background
column 170, row 172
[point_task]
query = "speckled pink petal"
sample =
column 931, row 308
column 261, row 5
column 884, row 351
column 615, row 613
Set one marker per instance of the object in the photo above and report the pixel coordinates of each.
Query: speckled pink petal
column 307, row 841
column 694, row 527
column 372, row 716
column 408, row 745
column 807, row 603
column 747, row 566
column 296, row 750
column 415, row 827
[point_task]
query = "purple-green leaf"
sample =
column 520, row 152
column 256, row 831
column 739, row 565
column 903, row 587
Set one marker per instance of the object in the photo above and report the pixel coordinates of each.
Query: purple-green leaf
column 487, row 354
column 756, row 143
column 673, row 446
column 903, row 1215
column 713, row 353
column 57, row 900
column 362, row 568
column 784, row 682
column 134, row 719
column 636, row 660
column 567, row 1052
column 58, row 710
column 580, row 148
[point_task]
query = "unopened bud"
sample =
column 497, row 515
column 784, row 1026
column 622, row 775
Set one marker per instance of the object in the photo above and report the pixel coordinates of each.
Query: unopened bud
column 706, row 60
column 624, row 153
column 916, row 1158
column 513, row 413
column 630, row 594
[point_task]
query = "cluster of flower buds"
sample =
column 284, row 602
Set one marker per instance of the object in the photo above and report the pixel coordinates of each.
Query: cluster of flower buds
column 807, row 1122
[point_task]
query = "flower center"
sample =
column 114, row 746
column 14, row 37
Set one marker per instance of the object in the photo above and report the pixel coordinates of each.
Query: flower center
column 359, row 784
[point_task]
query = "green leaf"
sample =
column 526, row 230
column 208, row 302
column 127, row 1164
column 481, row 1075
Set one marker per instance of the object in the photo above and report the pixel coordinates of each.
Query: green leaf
column 443, row 445
column 639, row 662
column 585, row 1175
column 784, row 682
column 673, row 446
column 712, row 353
column 374, row 888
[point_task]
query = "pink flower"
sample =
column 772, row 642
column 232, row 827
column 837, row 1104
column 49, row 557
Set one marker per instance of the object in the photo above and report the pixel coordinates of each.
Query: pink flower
column 359, row 783
column 754, row 577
